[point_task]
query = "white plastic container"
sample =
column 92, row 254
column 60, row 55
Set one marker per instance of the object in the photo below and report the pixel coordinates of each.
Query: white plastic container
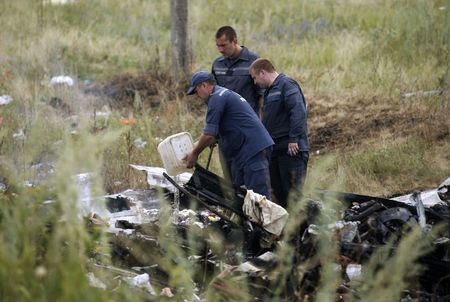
column 172, row 151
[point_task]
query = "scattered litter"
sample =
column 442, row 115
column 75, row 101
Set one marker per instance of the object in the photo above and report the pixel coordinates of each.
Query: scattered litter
column 132, row 207
column 429, row 198
column 354, row 271
column 267, row 256
column 5, row 99
column 424, row 93
column 3, row 184
column 248, row 267
column 166, row 292
column 95, row 282
column 83, row 182
column 127, row 121
column 40, row 272
column 142, row 281
column 209, row 216
column 102, row 113
column 347, row 229
column 155, row 177
column 19, row 135
column 61, row 81
column 139, row 143
column 58, row 2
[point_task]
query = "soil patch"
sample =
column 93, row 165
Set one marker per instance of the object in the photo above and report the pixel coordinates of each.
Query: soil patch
column 355, row 122
column 334, row 123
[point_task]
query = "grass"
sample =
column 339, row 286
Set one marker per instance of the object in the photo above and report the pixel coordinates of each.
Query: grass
column 354, row 60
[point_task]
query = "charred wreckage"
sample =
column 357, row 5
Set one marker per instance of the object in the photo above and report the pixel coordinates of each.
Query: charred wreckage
column 251, row 236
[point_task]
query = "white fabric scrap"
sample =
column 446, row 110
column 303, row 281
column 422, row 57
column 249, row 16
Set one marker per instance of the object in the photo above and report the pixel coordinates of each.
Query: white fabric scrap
column 354, row 271
column 58, row 2
column 19, row 135
column 142, row 281
column 5, row 99
column 269, row 215
column 61, row 80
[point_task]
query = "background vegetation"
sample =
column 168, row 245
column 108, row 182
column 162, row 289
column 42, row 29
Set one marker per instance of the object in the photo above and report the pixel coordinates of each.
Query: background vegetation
column 375, row 75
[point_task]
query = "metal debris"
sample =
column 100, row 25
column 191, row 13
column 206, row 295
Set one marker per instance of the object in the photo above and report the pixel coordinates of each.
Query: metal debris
column 204, row 202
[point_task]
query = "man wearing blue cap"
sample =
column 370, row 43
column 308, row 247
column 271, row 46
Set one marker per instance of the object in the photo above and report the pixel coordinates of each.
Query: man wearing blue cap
column 232, row 122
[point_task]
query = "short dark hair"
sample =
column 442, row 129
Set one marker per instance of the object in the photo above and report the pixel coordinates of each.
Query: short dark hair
column 262, row 64
column 211, row 82
column 228, row 31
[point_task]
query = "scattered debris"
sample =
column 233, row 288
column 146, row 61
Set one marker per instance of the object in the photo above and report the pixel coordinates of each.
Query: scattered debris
column 142, row 281
column 61, row 81
column 430, row 198
column 155, row 177
column 95, row 282
column 58, row 2
column 5, row 99
column 424, row 93
column 3, row 184
column 19, row 135
column 139, row 143
column 206, row 203
column 166, row 292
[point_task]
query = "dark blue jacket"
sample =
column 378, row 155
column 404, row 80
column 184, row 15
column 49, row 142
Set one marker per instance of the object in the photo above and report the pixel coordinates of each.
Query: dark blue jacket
column 285, row 114
column 238, row 129
column 235, row 75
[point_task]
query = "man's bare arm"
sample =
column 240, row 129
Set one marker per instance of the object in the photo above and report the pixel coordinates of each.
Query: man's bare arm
column 204, row 141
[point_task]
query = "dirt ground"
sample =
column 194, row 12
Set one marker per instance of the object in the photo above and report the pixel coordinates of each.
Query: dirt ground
column 334, row 123
column 353, row 122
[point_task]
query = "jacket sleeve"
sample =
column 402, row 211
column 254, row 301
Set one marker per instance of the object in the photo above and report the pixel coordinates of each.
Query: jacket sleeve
column 296, row 108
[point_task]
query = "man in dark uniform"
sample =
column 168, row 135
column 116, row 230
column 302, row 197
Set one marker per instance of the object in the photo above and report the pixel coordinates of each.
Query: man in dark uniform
column 231, row 69
column 239, row 132
column 284, row 116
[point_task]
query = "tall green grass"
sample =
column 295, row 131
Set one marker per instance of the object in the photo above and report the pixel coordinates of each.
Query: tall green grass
column 374, row 46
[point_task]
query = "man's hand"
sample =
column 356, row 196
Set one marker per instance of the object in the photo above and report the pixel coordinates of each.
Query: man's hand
column 191, row 159
column 203, row 142
column 293, row 149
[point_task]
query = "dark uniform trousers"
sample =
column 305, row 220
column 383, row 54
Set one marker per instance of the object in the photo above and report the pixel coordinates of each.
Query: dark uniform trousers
column 287, row 175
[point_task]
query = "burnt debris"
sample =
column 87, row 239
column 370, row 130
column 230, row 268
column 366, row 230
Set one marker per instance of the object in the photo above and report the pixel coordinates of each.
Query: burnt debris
column 229, row 246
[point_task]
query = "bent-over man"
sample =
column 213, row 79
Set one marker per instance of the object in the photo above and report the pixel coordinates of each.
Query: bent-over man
column 239, row 132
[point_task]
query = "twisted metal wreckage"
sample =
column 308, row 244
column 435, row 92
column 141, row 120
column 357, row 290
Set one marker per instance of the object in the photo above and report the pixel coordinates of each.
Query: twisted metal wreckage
column 250, row 242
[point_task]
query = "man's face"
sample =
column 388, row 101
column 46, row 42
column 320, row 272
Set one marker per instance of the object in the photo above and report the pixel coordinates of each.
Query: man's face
column 259, row 78
column 202, row 91
column 226, row 47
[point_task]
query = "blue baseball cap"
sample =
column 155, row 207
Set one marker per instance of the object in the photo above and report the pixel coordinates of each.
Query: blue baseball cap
column 197, row 78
